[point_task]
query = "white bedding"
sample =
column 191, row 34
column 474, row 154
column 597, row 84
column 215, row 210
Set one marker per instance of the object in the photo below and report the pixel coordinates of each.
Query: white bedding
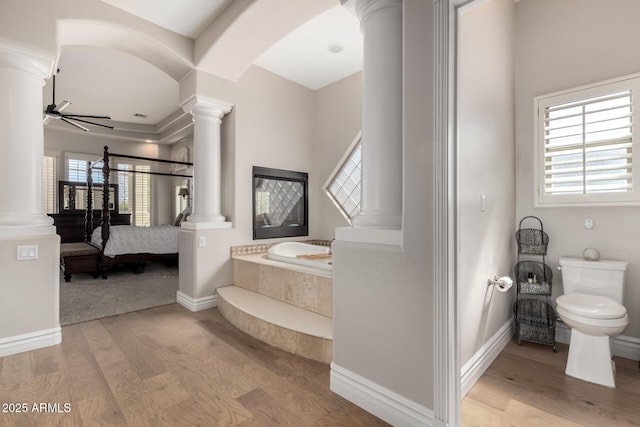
column 125, row 239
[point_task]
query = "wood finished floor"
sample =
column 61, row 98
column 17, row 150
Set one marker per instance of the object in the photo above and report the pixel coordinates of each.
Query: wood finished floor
column 527, row 386
column 169, row 367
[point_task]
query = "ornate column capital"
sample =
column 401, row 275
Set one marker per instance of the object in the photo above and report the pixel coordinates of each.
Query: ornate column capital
column 18, row 58
column 367, row 8
column 203, row 106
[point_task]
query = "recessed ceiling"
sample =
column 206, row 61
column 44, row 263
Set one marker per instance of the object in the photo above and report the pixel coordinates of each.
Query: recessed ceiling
column 186, row 17
column 305, row 55
column 106, row 81
column 103, row 81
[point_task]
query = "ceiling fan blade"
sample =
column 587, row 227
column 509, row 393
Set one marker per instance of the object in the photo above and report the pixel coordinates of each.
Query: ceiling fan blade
column 62, row 106
column 84, row 121
column 74, row 124
column 86, row 117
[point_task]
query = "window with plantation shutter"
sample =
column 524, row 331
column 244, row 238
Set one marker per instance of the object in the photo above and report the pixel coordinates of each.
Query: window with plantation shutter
column 50, row 180
column 77, row 168
column 142, row 210
column 134, row 189
column 134, row 193
column 585, row 139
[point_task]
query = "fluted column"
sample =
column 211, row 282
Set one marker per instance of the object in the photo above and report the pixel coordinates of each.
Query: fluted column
column 22, row 77
column 381, row 203
column 207, row 117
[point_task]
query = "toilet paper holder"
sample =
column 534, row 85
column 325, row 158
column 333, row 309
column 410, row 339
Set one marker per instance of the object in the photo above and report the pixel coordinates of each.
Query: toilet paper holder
column 501, row 282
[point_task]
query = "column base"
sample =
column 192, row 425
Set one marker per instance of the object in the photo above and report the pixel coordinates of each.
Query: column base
column 13, row 220
column 206, row 225
column 374, row 236
column 199, row 217
column 26, row 225
column 374, row 220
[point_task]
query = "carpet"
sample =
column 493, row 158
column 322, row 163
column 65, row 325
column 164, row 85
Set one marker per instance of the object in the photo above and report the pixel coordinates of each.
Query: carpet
column 86, row 298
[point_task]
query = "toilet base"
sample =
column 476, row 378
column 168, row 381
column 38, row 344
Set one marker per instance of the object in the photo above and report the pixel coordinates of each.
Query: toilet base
column 590, row 359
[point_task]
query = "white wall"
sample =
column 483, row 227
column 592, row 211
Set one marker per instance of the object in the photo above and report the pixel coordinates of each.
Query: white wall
column 29, row 289
column 338, row 119
column 560, row 45
column 274, row 128
column 383, row 294
column 274, row 123
column 486, row 166
column 93, row 144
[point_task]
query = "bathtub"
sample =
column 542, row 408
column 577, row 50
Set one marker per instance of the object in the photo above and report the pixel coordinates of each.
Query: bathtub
column 289, row 251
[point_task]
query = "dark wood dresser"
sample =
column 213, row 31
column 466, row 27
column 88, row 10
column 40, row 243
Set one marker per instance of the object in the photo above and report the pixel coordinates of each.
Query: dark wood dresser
column 70, row 226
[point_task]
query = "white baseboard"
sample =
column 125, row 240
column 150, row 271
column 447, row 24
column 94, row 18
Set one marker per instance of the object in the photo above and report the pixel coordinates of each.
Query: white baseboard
column 380, row 401
column 196, row 304
column 623, row 346
column 30, row 341
column 471, row 372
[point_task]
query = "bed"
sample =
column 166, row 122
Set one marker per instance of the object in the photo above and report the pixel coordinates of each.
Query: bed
column 124, row 244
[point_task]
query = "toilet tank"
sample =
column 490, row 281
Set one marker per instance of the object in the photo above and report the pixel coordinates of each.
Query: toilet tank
column 605, row 277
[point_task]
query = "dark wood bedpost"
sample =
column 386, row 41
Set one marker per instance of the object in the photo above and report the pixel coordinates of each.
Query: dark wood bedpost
column 106, row 214
column 88, row 219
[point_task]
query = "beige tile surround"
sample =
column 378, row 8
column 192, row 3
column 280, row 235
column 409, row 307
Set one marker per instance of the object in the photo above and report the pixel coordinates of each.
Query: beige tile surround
column 311, row 292
column 309, row 345
column 264, row 247
column 291, row 326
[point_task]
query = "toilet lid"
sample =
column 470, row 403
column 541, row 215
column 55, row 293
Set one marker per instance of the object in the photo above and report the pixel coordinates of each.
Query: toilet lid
column 592, row 306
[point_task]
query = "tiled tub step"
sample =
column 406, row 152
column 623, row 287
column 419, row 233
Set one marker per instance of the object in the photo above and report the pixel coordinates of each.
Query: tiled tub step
column 301, row 286
column 282, row 325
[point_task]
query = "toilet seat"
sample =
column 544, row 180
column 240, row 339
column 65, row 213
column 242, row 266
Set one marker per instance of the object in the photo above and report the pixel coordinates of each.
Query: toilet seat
column 588, row 322
column 588, row 306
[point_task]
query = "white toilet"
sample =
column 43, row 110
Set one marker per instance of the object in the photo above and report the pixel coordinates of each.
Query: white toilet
column 592, row 307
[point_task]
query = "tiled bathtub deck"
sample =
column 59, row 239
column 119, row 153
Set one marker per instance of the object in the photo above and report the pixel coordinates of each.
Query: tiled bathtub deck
column 288, row 306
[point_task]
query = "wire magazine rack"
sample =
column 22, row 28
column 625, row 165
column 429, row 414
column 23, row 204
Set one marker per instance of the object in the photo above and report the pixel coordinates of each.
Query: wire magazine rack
column 535, row 319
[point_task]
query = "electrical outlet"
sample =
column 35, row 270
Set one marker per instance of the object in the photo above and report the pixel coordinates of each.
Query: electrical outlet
column 202, row 241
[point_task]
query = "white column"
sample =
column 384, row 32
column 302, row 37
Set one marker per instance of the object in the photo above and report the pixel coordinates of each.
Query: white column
column 207, row 117
column 22, row 77
column 381, row 203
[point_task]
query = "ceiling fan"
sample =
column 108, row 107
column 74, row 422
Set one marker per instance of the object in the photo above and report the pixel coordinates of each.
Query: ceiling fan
column 54, row 111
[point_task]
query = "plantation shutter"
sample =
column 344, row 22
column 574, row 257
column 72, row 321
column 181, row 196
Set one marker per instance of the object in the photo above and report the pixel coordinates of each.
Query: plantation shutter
column 134, row 191
column 142, row 212
column 588, row 145
column 50, row 179
column 77, row 169
column 124, row 191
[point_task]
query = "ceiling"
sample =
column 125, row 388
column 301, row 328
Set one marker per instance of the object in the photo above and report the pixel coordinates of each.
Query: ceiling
column 105, row 81
column 186, row 17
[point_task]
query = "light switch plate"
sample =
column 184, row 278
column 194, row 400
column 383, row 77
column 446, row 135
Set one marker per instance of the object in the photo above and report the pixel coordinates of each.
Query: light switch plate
column 27, row 252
